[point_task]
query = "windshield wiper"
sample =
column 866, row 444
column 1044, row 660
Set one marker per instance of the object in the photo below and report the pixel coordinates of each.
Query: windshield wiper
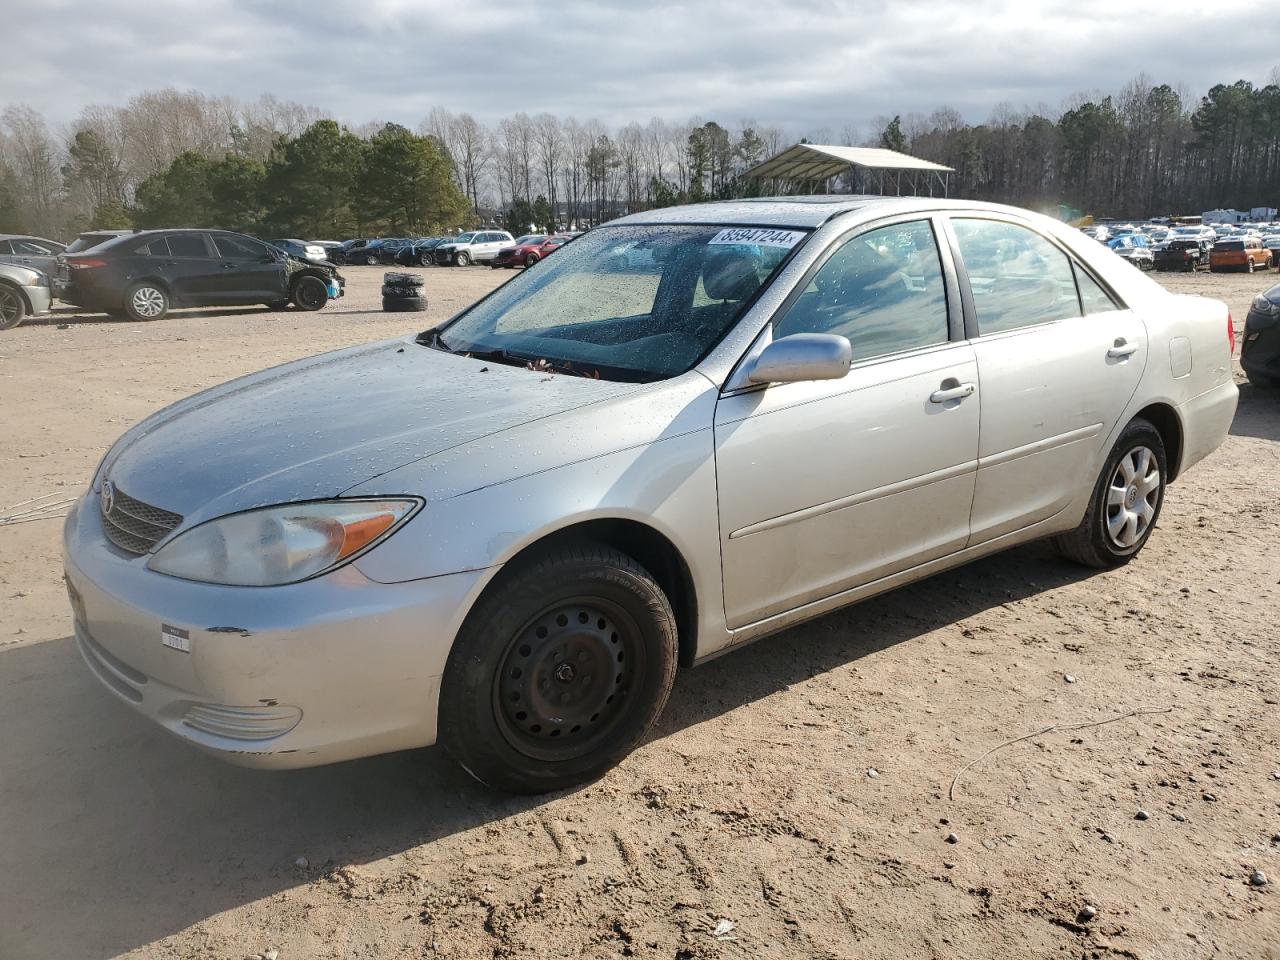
column 431, row 338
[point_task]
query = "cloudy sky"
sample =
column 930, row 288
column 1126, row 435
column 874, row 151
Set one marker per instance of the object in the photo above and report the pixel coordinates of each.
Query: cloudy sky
column 802, row 64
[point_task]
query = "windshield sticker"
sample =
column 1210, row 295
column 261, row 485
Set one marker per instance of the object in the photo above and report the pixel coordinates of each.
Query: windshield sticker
column 759, row 237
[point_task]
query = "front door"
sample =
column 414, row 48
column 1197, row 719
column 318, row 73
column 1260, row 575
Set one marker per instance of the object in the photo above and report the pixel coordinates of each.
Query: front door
column 250, row 271
column 824, row 486
column 1058, row 359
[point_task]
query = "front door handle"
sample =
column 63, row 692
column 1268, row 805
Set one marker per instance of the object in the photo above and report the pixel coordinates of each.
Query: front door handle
column 1121, row 349
column 951, row 389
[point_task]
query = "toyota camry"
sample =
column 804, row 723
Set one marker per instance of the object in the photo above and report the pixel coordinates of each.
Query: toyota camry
column 690, row 428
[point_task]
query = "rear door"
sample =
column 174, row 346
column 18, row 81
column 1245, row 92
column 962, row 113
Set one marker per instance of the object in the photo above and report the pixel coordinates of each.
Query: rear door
column 250, row 271
column 192, row 269
column 1059, row 358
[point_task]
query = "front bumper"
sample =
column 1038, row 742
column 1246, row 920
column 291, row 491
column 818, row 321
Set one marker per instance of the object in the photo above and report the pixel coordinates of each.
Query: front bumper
column 40, row 299
column 330, row 669
column 1260, row 345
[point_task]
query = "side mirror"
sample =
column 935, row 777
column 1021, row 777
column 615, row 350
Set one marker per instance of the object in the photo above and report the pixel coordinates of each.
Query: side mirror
column 803, row 356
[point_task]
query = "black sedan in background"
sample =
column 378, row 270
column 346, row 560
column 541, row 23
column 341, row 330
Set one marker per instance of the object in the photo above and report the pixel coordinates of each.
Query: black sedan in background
column 142, row 275
column 418, row 253
column 1260, row 347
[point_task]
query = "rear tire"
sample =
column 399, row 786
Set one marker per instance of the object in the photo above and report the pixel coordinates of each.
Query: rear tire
column 310, row 293
column 1125, row 504
column 559, row 672
column 13, row 308
column 145, row 302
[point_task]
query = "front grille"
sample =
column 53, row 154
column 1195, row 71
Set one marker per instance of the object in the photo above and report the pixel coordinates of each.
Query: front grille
column 134, row 526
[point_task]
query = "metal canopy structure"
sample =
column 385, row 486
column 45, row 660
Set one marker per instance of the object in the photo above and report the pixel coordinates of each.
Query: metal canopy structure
column 811, row 165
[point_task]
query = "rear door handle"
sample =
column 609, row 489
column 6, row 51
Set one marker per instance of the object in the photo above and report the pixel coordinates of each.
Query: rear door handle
column 951, row 389
column 1120, row 349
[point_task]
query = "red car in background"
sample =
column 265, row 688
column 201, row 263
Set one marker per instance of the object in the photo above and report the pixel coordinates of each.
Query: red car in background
column 529, row 250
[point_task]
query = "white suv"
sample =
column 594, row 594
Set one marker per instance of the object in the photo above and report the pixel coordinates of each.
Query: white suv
column 478, row 247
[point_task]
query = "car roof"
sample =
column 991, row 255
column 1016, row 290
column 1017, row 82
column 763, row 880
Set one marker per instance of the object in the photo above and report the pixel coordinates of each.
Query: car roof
column 28, row 236
column 801, row 211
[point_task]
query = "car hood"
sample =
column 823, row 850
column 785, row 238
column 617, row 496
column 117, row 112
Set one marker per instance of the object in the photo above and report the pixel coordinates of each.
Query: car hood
column 317, row 427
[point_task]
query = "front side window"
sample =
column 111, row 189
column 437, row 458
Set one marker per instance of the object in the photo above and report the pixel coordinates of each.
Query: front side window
column 636, row 303
column 187, row 245
column 231, row 247
column 1018, row 278
column 31, row 249
column 883, row 290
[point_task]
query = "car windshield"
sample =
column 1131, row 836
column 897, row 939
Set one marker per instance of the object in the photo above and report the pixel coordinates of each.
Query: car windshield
column 87, row 240
column 463, row 238
column 636, row 303
column 530, row 238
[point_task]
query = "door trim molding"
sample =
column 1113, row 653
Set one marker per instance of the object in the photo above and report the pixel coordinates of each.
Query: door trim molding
column 1039, row 446
column 876, row 493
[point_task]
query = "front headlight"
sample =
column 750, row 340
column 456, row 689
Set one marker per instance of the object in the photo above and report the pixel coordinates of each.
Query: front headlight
column 282, row 544
column 1264, row 306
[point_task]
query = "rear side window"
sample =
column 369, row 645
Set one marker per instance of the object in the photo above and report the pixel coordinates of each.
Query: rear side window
column 238, row 248
column 158, row 247
column 31, row 248
column 187, row 245
column 883, row 290
column 1018, row 278
column 1093, row 299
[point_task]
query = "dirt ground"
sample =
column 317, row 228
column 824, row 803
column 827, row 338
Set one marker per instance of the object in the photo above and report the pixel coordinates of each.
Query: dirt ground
column 795, row 796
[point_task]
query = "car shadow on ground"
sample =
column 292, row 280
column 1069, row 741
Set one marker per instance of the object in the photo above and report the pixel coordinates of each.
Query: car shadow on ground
column 1258, row 414
column 74, row 316
column 120, row 835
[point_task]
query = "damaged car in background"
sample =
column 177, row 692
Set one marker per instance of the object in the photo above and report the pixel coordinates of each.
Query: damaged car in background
column 24, row 292
column 143, row 275
column 690, row 428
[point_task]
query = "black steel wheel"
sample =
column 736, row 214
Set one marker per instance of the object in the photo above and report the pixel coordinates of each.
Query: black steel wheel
column 561, row 668
column 310, row 293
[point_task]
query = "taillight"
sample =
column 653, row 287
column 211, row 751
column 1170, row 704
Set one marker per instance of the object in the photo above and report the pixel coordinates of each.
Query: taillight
column 85, row 263
column 1231, row 335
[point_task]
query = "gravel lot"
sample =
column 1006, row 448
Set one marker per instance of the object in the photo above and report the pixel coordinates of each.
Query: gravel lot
column 794, row 797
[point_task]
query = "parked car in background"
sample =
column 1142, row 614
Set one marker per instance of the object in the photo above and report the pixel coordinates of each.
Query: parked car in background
column 24, row 292
column 332, row 249
column 1260, row 342
column 1183, row 253
column 418, row 253
column 144, row 274
column 351, row 250
column 301, row 249
column 506, row 533
column 92, row 238
column 376, row 251
column 35, row 252
column 1135, row 248
column 1272, row 242
column 479, row 246
column 1243, row 252
column 528, row 250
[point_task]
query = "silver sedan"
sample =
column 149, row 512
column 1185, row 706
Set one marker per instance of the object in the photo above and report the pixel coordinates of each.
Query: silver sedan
column 24, row 292
column 690, row 428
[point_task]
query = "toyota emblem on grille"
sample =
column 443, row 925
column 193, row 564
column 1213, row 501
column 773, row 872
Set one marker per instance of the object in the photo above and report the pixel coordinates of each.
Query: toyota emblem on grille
column 108, row 497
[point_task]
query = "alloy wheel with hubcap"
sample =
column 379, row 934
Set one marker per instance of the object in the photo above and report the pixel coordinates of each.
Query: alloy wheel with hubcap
column 1132, row 497
column 146, row 302
column 1125, row 503
column 12, row 308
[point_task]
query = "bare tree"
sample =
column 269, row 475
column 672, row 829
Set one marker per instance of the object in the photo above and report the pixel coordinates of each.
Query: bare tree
column 549, row 140
column 35, row 161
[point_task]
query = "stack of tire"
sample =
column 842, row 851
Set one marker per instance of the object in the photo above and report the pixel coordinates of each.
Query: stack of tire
column 403, row 292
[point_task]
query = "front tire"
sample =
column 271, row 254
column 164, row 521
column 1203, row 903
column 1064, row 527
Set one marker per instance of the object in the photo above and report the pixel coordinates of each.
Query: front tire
column 559, row 671
column 145, row 302
column 530, row 260
column 1125, row 504
column 310, row 293
column 463, row 259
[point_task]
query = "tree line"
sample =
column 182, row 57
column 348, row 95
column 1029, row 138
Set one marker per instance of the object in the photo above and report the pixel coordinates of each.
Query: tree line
column 174, row 158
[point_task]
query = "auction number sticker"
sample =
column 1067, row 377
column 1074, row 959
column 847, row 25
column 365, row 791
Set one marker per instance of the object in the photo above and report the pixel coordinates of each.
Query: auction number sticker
column 175, row 637
column 759, row 236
